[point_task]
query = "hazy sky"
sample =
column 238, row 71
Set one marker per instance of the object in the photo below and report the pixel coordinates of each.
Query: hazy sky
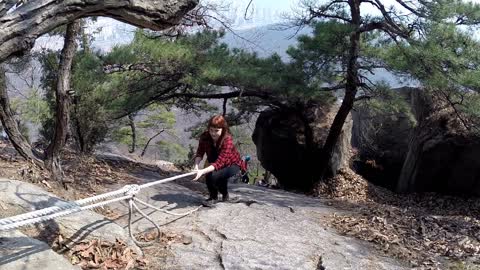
column 279, row 7
column 111, row 29
column 287, row 5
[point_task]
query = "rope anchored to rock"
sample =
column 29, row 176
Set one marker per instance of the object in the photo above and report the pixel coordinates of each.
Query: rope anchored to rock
column 127, row 192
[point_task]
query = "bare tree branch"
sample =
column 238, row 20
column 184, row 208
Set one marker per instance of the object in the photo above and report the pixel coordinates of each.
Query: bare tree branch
column 414, row 10
column 363, row 97
column 246, row 9
column 149, row 140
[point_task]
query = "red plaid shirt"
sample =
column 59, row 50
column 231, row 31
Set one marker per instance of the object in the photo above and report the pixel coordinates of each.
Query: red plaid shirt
column 227, row 153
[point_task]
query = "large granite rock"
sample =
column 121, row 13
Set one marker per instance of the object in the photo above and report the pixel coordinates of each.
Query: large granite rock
column 443, row 153
column 269, row 229
column 20, row 197
column 434, row 151
column 289, row 143
column 19, row 252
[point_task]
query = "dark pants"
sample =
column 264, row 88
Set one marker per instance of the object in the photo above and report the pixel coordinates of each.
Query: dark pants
column 218, row 180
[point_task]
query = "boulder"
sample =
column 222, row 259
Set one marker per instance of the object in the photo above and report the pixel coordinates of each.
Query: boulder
column 442, row 154
column 20, row 197
column 274, row 230
column 289, row 143
column 424, row 147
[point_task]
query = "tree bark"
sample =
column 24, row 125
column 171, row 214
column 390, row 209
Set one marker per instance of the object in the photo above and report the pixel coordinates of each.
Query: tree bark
column 62, row 101
column 10, row 125
column 131, row 123
column 22, row 22
column 225, row 100
column 351, row 88
column 21, row 27
column 76, row 128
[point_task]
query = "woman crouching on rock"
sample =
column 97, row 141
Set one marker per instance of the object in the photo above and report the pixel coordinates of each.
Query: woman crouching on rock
column 222, row 156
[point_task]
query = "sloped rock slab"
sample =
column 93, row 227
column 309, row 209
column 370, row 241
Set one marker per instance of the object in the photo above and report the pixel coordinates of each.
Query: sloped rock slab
column 268, row 229
column 20, row 197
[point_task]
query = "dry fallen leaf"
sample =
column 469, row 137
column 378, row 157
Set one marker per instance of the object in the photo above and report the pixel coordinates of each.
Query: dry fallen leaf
column 418, row 228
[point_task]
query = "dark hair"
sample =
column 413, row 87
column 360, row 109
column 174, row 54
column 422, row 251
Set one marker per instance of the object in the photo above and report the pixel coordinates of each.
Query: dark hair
column 218, row 121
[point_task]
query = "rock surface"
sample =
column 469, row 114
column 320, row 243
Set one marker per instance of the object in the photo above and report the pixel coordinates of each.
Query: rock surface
column 19, row 252
column 289, row 143
column 267, row 229
column 20, row 197
column 443, row 154
column 422, row 147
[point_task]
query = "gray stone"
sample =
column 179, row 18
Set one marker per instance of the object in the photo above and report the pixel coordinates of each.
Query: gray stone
column 289, row 142
column 19, row 252
column 268, row 229
column 443, row 153
column 21, row 197
column 425, row 148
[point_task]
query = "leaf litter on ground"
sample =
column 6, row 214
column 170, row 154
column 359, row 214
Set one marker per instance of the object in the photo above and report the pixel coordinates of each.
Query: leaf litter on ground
column 431, row 231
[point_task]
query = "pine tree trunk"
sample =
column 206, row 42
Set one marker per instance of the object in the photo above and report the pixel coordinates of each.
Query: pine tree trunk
column 62, row 101
column 131, row 123
column 10, row 125
column 352, row 83
column 76, row 127
column 22, row 25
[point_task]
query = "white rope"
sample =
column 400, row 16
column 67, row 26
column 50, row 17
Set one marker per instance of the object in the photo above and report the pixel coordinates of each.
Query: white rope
column 59, row 214
column 166, row 180
column 68, row 205
column 72, row 207
column 132, row 206
column 166, row 211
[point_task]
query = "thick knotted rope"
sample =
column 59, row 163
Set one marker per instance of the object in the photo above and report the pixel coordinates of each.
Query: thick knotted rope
column 127, row 192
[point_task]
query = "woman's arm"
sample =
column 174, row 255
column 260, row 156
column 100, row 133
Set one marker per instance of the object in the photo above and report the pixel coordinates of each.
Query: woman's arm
column 197, row 161
column 203, row 171
column 201, row 149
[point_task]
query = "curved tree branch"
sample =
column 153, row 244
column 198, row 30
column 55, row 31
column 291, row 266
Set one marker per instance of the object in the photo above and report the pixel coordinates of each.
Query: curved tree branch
column 11, row 127
column 20, row 28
